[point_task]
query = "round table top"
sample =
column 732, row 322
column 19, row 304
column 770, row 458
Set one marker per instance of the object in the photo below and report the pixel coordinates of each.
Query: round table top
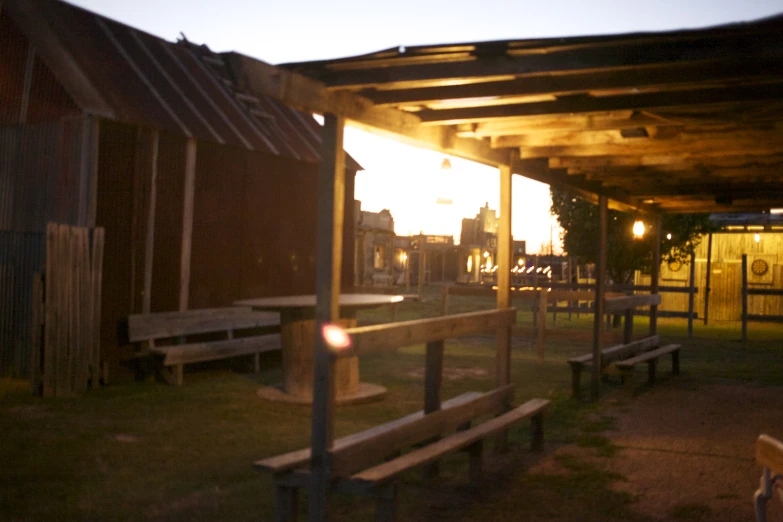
column 308, row 301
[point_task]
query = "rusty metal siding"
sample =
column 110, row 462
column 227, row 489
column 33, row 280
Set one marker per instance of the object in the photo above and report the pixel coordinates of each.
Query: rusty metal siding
column 22, row 254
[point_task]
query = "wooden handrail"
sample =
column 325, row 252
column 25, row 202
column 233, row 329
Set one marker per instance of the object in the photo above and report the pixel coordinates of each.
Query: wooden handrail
column 367, row 339
column 617, row 304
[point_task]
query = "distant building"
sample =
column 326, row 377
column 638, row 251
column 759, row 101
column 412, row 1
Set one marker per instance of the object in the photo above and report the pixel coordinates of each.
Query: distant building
column 375, row 247
column 477, row 254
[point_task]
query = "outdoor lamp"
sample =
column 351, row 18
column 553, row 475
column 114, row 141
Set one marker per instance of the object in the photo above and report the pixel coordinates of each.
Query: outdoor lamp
column 638, row 229
column 757, row 238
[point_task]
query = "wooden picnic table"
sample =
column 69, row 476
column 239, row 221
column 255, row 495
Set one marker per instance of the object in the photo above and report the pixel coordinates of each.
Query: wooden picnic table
column 297, row 328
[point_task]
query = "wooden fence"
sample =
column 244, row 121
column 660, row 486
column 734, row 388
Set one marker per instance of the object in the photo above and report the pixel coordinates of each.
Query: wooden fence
column 747, row 292
column 67, row 311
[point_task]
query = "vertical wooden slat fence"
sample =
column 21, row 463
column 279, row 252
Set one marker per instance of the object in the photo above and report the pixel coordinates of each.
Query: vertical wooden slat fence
column 66, row 349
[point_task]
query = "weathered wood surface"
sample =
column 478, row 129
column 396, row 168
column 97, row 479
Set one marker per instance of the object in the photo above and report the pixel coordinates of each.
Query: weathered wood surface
column 377, row 338
column 647, row 356
column 295, row 459
column 309, row 301
column 615, row 353
column 199, row 352
column 769, row 453
column 617, row 304
column 71, row 311
column 364, row 453
column 459, row 440
column 143, row 327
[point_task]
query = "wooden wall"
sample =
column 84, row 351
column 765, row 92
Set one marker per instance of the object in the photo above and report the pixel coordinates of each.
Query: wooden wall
column 726, row 277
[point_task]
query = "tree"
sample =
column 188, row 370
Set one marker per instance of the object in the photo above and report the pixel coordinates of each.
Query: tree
column 625, row 254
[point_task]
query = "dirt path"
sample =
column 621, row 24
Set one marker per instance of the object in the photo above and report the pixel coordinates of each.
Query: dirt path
column 687, row 451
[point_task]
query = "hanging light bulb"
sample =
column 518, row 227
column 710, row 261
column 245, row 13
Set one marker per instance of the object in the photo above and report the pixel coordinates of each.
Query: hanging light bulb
column 446, row 164
column 638, row 229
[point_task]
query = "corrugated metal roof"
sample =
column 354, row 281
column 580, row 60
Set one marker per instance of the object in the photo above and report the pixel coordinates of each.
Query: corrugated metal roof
column 119, row 72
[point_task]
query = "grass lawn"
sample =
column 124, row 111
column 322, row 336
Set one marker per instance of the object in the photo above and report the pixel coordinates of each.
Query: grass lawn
column 148, row 451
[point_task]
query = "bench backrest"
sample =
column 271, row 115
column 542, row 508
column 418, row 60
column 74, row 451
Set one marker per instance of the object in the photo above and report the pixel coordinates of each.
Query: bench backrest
column 624, row 351
column 364, row 453
column 149, row 327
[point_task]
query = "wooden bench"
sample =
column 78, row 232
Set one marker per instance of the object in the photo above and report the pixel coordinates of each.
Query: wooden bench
column 626, row 367
column 174, row 327
column 369, row 463
column 621, row 359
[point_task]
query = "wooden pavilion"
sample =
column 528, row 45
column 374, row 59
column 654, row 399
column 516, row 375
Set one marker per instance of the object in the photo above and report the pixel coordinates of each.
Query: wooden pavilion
column 681, row 121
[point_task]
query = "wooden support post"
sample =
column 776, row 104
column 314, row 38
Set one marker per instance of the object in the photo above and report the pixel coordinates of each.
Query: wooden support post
column 149, row 242
column 541, row 322
column 187, row 224
column 570, row 281
column 503, row 353
column 331, row 202
column 433, row 380
column 407, row 271
column 285, row 503
column 691, row 294
column 708, row 275
column 600, row 292
column 744, row 297
column 422, row 267
column 27, row 82
column 654, row 273
column 628, row 326
column 444, row 300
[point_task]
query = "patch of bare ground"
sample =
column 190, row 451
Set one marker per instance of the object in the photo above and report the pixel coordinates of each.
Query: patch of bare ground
column 688, row 454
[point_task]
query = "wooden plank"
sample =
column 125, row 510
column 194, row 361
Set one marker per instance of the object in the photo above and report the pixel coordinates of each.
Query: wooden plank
column 295, row 459
column 647, row 356
column 51, row 323
column 85, row 299
column 619, row 304
column 619, row 351
column 36, row 338
column 149, row 241
column 462, row 439
column 433, row 376
column 367, row 339
column 765, row 291
column 359, row 455
column 503, row 300
column 331, row 201
column 63, row 308
column 142, row 327
column 210, row 351
column 769, row 453
column 74, row 340
column 96, row 287
column 600, row 289
column 692, row 283
column 187, row 223
column 744, row 297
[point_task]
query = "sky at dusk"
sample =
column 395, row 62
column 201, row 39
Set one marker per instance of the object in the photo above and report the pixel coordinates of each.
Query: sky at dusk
column 406, row 180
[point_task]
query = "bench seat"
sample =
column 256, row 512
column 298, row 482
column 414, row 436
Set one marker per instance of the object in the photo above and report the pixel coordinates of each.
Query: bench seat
column 626, row 367
column 175, row 327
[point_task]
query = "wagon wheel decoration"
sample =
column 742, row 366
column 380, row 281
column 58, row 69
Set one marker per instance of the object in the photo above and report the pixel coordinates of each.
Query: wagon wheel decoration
column 759, row 267
column 675, row 266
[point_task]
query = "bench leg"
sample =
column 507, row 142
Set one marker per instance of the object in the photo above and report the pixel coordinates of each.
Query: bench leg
column 173, row 374
column 257, row 363
column 676, row 362
column 651, row 364
column 386, row 509
column 628, row 381
column 286, row 503
column 537, row 435
column 575, row 378
column 476, row 452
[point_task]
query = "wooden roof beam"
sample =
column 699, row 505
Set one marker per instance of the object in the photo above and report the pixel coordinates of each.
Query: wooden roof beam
column 311, row 96
column 704, row 46
column 661, row 76
column 587, row 104
column 538, row 170
column 765, row 143
column 663, row 161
